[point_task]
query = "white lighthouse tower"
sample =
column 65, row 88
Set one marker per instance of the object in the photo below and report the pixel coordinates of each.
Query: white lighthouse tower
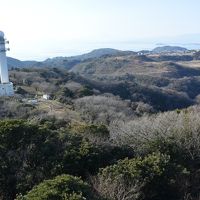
column 6, row 87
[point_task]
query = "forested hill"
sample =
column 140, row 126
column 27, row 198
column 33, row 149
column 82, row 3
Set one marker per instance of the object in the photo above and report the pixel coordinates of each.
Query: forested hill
column 69, row 62
column 66, row 62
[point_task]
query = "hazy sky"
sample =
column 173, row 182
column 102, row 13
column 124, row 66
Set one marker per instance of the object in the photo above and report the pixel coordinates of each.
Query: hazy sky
column 38, row 29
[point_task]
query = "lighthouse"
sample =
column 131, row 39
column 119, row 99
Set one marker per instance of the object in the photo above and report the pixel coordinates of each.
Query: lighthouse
column 6, row 87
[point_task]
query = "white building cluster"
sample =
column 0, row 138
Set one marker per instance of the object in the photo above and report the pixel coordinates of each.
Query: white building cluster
column 6, row 87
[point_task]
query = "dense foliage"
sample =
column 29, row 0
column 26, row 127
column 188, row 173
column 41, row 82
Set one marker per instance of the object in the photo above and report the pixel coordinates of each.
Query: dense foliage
column 31, row 153
column 162, row 164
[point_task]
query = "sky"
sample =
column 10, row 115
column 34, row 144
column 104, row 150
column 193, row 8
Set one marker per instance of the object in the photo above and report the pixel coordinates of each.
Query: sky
column 38, row 29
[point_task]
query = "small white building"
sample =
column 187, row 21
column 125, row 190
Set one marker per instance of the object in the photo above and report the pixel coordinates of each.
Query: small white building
column 46, row 96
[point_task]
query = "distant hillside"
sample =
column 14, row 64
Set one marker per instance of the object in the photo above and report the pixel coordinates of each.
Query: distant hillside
column 65, row 62
column 69, row 62
column 116, row 66
column 104, row 54
column 124, row 67
column 97, row 53
column 15, row 63
column 166, row 49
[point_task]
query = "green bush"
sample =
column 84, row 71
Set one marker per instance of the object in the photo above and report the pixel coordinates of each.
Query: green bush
column 151, row 178
column 64, row 187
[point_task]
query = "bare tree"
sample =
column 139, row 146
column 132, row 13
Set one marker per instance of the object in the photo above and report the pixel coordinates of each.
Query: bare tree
column 117, row 189
column 104, row 109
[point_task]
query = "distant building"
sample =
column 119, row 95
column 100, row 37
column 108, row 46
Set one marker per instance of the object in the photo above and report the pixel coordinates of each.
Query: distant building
column 46, row 96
